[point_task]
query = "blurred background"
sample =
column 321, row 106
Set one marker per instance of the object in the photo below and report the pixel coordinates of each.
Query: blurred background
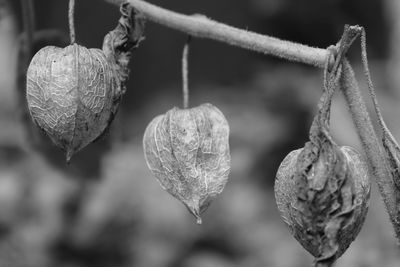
column 105, row 209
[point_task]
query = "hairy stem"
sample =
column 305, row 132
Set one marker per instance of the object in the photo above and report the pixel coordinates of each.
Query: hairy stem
column 371, row 88
column 185, row 71
column 370, row 143
column 367, row 74
column 202, row 27
column 71, row 10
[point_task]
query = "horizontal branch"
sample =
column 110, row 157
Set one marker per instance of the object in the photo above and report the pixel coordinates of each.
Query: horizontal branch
column 202, row 27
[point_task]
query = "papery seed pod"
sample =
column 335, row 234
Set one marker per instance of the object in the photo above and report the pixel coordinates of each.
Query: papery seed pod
column 70, row 94
column 73, row 93
column 188, row 152
column 322, row 190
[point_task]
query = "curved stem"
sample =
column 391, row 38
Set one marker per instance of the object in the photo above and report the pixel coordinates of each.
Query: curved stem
column 185, row 71
column 367, row 74
column 203, row 27
column 331, row 79
column 71, row 9
column 370, row 144
column 371, row 88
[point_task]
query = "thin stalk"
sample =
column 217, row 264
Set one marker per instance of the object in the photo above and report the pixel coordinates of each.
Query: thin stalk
column 71, row 11
column 25, row 54
column 28, row 18
column 185, row 72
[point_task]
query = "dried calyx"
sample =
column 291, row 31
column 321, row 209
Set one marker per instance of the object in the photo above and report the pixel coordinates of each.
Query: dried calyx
column 73, row 93
column 322, row 190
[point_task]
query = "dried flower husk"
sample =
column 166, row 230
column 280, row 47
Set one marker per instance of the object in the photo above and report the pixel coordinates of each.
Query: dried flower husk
column 322, row 190
column 328, row 210
column 70, row 94
column 73, row 93
column 188, row 152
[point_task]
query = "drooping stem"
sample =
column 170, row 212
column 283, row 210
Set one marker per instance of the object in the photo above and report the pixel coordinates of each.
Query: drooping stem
column 185, row 72
column 367, row 74
column 331, row 78
column 203, row 27
column 370, row 143
column 371, row 88
column 71, row 11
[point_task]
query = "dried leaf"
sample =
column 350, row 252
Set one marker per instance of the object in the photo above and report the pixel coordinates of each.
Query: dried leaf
column 119, row 44
column 188, row 152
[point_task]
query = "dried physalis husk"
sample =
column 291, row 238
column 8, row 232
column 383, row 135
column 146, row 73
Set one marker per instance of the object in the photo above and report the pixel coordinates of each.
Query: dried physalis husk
column 188, row 152
column 70, row 94
column 73, row 92
column 322, row 190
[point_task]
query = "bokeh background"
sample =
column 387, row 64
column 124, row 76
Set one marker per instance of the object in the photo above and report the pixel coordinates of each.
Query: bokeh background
column 105, row 209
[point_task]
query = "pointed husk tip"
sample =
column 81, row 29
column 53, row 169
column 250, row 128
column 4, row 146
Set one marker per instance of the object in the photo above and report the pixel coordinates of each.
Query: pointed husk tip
column 198, row 220
column 68, row 155
column 194, row 209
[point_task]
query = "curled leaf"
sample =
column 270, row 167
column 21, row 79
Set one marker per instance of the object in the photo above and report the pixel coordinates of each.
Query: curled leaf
column 119, row 44
column 188, row 152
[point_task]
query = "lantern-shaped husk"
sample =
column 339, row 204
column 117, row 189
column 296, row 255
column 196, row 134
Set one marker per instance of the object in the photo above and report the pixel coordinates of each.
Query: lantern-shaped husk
column 70, row 94
column 188, row 152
